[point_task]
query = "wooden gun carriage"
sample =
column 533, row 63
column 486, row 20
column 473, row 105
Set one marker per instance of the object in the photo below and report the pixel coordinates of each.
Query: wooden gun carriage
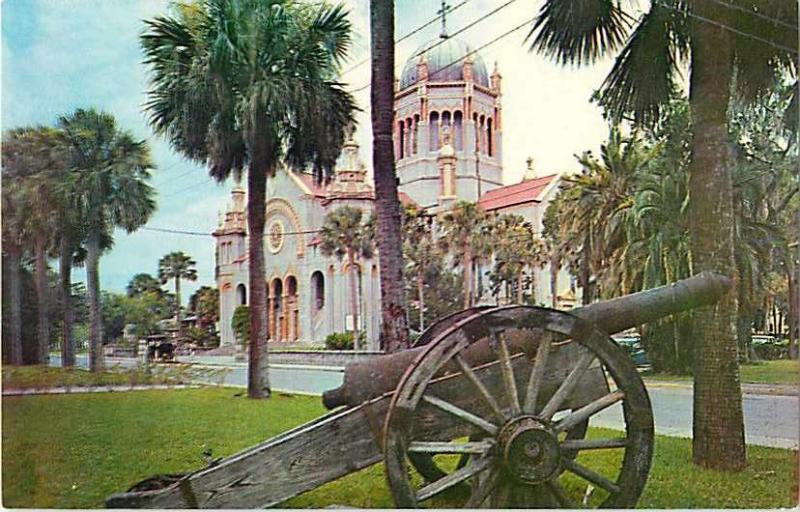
column 490, row 409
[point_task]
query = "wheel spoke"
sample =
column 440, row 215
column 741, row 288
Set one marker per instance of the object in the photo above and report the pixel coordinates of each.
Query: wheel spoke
column 484, row 488
column 508, row 373
column 458, row 412
column 591, row 476
column 478, row 447
column 593, row 444
column 561, row 495
column 453, row 478
column 487, row 397
column 537, row 374
column 567, row 386
column 588, row 410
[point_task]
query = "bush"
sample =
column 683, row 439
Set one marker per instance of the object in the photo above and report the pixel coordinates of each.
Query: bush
column 240, row 323
column 770, row 348
column 339, row 341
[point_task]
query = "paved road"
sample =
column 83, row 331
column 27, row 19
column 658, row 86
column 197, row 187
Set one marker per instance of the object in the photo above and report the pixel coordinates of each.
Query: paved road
column 770, row 420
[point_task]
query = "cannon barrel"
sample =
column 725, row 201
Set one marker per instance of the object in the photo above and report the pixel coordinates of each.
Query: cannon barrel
column 367, row 380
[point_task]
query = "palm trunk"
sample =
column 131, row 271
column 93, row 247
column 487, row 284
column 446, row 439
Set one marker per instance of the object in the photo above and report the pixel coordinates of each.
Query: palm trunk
column 14, row 255
column 555, row 263
column 520, row 295
column 421, row 296
column 257, row 370
column 96, row 363
column 394, row 322
column 794, row 305
column 42, row 303
column 65, row 278
column 586, row 271
column 353, row 270
column 178, row 306
column 466, row 263
column 718, row 425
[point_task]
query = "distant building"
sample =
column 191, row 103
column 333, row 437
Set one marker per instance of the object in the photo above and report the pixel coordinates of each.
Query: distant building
column 448, row 147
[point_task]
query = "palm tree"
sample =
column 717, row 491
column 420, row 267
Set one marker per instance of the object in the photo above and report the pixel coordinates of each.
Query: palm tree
column 248, row 85
column 394, row 324
column 719, row 40
column 419, row 250
column 37, row 161
column 517, row 249
column 465, row 235
column 344, row 233
column 13, row 245
column 143, row 283
column 177, row 266
column 110, row 170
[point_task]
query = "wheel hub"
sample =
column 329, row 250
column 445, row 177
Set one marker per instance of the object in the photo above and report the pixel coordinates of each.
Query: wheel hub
column 529, row 449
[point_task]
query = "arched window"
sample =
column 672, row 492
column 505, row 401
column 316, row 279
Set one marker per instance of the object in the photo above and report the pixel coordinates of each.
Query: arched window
column 318, row 290
column 434, row 131
column 291, row 286
column 402, row 142
column 241, row 295
column 489, row 135
column 415, row 136
column 458, row 136
column 482, row 134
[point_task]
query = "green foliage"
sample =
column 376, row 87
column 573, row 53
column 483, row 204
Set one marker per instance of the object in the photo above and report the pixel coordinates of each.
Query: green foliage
column 143, row 282
column 201, row 337
column 144, row 311
column 240, row 323
column 343, row 340
column 176, row 265
column 345, row 231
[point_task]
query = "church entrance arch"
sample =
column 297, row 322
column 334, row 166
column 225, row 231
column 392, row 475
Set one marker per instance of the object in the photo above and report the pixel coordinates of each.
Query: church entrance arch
column 275, row 313
column 292, row 315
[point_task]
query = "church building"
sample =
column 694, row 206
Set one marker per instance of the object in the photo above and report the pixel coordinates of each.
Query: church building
column 448, row 147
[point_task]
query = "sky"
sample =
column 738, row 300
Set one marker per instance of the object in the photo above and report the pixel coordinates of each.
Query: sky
column 59, row 55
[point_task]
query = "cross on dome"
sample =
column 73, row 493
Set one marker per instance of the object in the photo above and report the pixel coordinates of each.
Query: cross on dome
column 443, row 11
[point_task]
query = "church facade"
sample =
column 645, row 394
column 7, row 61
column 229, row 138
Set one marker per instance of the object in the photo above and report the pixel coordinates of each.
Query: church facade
column 448, row 147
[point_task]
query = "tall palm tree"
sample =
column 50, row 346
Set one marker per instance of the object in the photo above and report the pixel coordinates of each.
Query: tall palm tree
column 719, row 40
column 110, row 173
column 388, row 213
column 419, row 250
column 465, row 235
column 249, row 85
column 177, row 266
column 345, row 234
column 13, row 246
column 518, row 251
column 36, row 158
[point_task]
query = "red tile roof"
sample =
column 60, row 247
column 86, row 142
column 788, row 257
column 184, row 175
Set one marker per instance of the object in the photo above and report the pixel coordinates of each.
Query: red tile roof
column 405, row 199
column 512, row 195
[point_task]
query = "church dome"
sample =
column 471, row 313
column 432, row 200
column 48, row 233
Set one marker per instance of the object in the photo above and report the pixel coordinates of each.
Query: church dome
column 445, row 58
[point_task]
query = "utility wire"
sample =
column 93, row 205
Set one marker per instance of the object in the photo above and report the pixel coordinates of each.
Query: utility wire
column 471, row 52
column 403, row 38
column 723, row 26
column 756, row 14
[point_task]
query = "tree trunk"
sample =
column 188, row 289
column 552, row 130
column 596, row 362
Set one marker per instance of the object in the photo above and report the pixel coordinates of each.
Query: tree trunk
column 178, row 306
column 520, row 295
column 794, row 300
column 586, row 271
column 718, row 426
column 421, row 296
column 466, row 263
column 555, row 263
column 43, row 303
column 353, row 271
column 257, row 369
column 394, row 322
column 65, row 278
column 96, row 363
column 14, row 255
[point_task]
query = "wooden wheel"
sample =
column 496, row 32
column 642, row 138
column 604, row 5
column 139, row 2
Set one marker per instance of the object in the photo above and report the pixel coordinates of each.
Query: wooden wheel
column 549, row 373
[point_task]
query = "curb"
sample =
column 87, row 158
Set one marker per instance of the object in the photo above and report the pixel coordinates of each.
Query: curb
column 94, row 389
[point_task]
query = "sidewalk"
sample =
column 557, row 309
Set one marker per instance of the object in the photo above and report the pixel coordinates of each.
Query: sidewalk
column 747, row 388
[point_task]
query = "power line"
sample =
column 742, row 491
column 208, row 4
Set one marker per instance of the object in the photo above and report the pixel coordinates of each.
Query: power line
column 201, row 233
column 755, row 13
column 723, row 26
column 195, row 185
column 472, row 52
column 403, row 38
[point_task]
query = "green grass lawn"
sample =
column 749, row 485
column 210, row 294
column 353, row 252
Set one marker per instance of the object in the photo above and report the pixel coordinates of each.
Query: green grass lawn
column 75, row 450
column 780, row 371
column 37, row 377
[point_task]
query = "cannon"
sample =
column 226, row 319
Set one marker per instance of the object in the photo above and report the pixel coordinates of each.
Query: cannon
column 491, row 408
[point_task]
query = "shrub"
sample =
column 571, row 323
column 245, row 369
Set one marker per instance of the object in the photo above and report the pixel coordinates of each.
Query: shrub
column 339, row 341
column 240, row 323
